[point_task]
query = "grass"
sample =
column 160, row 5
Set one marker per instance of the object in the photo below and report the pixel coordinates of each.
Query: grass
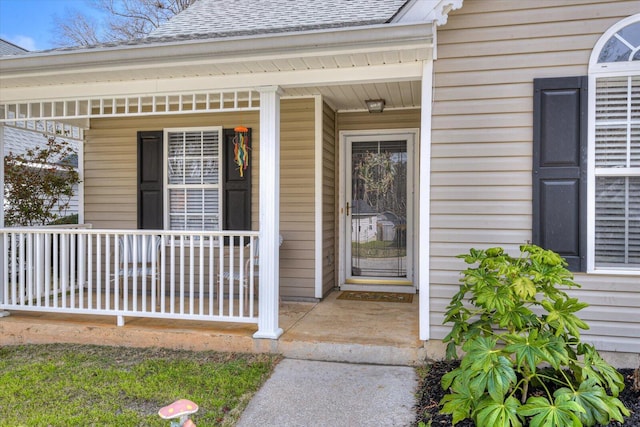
column 80, row 385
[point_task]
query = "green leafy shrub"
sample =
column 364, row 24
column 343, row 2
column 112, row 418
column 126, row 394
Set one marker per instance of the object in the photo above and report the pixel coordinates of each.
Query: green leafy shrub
column 524, row 361
column 39, row 184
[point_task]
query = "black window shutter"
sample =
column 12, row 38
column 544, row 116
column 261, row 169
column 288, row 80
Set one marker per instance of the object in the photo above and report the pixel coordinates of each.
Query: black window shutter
column 560, row 167
column 236, row 189
column 150, row 183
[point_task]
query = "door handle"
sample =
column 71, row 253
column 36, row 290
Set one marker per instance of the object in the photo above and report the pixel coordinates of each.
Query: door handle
column 347, row 208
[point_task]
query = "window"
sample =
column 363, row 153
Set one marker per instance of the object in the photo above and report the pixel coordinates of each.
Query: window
column 586, row 158
column 188, row 180
column 614, row 149
column 193, row 190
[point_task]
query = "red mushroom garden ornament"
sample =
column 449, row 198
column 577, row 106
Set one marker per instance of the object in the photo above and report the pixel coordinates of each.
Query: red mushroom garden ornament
column 180, row 409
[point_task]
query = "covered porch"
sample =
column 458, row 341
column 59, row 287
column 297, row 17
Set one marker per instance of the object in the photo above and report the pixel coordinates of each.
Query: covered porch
column 297, row 98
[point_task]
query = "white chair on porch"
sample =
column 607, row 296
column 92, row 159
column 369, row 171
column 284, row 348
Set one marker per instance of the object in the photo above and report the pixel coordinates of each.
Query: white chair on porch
column 142, row 259
column 236, row 277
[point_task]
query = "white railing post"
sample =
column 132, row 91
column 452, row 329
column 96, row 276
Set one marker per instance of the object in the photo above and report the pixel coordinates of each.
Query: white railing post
column 221, row 276
column 191, row 273
column 4, row 267
column 133, row 256
column 268, row 297
column 172, row 275
column 232, row 252
column 29, row 280
column 28, row 268
column 47, row 268
column 201, row 276
column 64, row 270
column 14, row 269
column 4, row 247
column 2, row 183
column 163, row 273
column 252, row 266
column 38, row 264
column 89, row 268
column 56, row 267
column 107, row 271
column 119, row 269
column 182, row 273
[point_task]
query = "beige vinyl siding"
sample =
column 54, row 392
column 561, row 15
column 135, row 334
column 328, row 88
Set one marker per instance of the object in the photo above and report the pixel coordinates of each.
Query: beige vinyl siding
column 329, row 193
column 297, row 198
column 110, row 181
column 110, row 162
column 489, row 52
column 389, row 119
column 110, row 174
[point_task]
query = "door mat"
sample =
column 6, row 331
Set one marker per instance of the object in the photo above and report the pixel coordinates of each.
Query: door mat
column 376, row 296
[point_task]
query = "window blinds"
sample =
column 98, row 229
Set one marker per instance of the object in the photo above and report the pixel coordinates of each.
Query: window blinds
column 193, row 175
column 617, row 171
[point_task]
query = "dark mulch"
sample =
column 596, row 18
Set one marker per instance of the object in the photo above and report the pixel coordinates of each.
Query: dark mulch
column 430, row 394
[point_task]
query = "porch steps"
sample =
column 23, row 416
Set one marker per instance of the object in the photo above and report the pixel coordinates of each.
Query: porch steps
column 384, row 333
column 353, row 353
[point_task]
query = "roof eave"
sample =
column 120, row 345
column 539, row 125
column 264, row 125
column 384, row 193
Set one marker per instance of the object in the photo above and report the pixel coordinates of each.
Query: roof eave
column 278, row 45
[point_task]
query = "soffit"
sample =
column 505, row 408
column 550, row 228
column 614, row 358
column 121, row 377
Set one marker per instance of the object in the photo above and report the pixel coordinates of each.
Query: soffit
column 340, row 49
column 404, row 94
column 397, row 90
column 249, row 68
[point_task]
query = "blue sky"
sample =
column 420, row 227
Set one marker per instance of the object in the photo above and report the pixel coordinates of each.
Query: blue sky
column 31, row 23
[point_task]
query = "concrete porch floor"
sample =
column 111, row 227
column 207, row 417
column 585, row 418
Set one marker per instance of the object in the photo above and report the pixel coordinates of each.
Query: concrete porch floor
column 330, row 330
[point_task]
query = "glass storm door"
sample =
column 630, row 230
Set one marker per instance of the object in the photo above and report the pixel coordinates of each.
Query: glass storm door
column 379, row 209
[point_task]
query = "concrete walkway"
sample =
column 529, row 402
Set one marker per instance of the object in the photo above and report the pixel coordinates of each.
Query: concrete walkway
column 326, row 394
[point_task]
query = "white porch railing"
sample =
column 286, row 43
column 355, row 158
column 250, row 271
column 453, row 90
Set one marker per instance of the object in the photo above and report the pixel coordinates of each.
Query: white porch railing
column 134, row 273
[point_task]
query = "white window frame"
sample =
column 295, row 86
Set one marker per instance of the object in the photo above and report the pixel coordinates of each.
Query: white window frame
column 598, row 71
column 167, row 187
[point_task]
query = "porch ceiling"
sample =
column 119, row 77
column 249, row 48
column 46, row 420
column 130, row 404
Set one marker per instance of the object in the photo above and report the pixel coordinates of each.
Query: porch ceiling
column 397, row 94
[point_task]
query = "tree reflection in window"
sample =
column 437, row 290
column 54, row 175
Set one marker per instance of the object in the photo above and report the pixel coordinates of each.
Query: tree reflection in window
column 623, row 46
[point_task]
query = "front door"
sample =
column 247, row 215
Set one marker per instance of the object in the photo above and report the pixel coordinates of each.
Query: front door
column 379, row 209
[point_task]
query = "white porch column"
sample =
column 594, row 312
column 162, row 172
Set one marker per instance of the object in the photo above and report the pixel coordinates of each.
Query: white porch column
column 2, row 248
column 425, row 196
column 269, row 292
column 2, row 173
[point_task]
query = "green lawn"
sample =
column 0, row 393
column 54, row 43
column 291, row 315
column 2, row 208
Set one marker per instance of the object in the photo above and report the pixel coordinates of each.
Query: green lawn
column 73, row 385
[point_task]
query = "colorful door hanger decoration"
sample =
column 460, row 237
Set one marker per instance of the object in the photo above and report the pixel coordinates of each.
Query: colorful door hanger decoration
column 241, row 148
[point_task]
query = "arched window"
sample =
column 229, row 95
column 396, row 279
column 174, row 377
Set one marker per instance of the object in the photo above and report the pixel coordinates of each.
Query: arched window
column 614, row 150
column 621, row 44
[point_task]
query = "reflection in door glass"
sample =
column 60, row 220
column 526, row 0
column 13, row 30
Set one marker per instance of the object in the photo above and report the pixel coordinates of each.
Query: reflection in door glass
column 379, row 209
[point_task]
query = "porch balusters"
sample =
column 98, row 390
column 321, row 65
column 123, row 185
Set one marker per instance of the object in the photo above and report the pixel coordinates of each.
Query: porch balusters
column 158, row 274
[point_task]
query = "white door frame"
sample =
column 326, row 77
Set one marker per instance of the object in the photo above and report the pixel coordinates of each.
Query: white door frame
column 412, row 137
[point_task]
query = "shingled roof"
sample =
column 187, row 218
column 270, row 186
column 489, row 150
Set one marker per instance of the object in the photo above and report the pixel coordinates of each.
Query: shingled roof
column 226, row 18
column 8, row 48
